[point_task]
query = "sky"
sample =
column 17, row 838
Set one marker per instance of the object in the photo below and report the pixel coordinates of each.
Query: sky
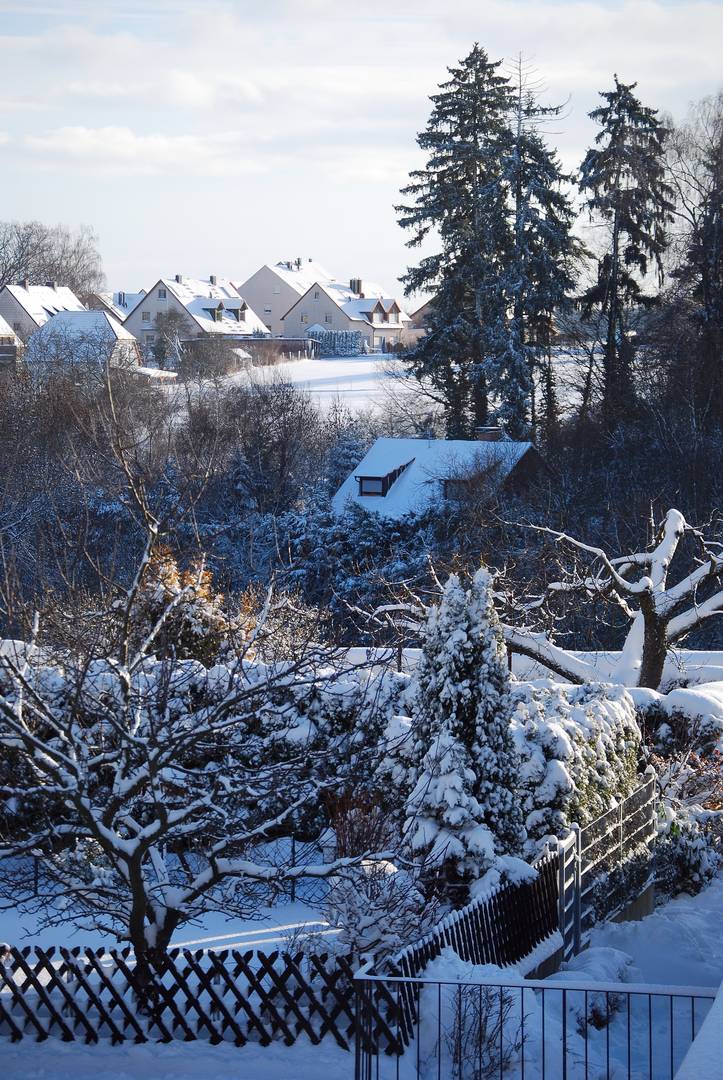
column 199, row 137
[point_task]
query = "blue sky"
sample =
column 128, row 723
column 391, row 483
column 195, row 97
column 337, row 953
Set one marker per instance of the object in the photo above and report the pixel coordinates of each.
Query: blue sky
column 201, row 137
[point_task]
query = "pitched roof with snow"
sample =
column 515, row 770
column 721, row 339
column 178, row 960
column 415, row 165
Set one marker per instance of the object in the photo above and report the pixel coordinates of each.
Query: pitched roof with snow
column 365, row 308
column 302, row 277
column 81, row 335
column 121, row 303
column 351, row 303
column 43, row 301
column 422, row 466
column 216, row 308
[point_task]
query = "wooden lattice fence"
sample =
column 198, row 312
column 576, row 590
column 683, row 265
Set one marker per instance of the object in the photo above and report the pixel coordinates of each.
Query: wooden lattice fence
column 228, row 995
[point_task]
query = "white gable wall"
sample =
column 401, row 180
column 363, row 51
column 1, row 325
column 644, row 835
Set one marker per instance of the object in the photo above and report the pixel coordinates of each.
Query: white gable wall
column 141, row 322
column 316, row 307
column 16, row 316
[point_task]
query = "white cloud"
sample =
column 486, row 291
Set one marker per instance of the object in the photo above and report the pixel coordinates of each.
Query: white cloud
column 119, row 149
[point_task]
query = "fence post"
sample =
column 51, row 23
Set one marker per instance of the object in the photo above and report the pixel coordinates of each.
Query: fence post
column 577, row 900
column 561, row 875
column 620, row 830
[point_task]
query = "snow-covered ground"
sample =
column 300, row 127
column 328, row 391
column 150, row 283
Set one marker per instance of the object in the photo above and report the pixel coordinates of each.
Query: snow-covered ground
column 360, row 382
column 680, row 943
column 55, row 1060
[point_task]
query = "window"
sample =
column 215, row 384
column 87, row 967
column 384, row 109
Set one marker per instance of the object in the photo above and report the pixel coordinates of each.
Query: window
column 145, row 316
column 371, row 485
column 304, row 318
column 16, row 327
column 267, row 311
column 161, row 294
column 277, row 290
column 150, row 338
column 327, row 318
column 317, row 294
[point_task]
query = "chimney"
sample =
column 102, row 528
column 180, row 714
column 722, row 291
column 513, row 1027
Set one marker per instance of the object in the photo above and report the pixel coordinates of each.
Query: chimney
column 212, row 279
column 355, row 284
column 51, row 284
column 488, row 434
column 25, row 284
column 179, row 278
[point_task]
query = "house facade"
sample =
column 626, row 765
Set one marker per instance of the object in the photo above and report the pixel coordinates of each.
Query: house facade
column 27, row 307
column 358, row 306
column 272, row 290
column 203, row 307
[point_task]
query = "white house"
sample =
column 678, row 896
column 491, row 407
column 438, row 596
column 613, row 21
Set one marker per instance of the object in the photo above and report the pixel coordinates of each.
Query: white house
column 27, row 307
column 210, row 306
column 83, row 337
column 404, row 476
column 272, row 290
column 359, row 306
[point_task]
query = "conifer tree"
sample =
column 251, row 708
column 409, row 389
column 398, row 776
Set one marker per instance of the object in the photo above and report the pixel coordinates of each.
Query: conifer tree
column 537, row 278
column 462, row 811
column 623, row 178
column 461, row 194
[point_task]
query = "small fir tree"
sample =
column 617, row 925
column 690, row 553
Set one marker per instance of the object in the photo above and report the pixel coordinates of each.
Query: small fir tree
column 462, row 811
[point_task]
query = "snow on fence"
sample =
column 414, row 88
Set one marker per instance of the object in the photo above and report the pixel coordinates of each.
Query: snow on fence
column 218, row 996
column 605, row 865
column 241, row 996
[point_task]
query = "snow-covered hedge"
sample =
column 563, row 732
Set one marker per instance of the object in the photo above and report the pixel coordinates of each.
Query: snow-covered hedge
column 578, row 748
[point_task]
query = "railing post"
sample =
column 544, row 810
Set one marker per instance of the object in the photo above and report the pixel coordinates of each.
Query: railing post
column 620, row 831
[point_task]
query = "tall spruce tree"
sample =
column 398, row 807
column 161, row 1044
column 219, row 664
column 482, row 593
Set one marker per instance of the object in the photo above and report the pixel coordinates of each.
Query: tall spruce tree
column 461, row 194
column 623, row 178
column 492, row 190
column 462, row 810
column 536, row 279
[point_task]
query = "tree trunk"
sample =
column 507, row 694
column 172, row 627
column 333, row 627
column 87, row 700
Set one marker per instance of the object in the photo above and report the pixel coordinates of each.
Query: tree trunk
column 655, row 649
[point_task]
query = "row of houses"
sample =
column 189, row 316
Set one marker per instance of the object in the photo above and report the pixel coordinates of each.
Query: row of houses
column 293, row 300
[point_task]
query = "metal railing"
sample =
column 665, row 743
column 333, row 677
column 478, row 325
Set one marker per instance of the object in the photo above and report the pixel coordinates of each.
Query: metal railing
column 523, row 1029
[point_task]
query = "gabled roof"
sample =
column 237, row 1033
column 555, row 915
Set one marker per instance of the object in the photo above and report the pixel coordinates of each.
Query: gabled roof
column 88, row 333
column 299, row 277
column 201, row 298
column 41, row 302
column 343, row 295
column 429, row 463
column 121, row 303
column 365, row 308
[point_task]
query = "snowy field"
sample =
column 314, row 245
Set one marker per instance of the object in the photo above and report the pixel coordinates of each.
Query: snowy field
column 359, row 382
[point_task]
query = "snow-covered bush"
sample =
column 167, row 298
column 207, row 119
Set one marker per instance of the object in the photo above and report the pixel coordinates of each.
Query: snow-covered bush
column 687, row 854
column 462, row 810
column 379, row 909
column 578, row 748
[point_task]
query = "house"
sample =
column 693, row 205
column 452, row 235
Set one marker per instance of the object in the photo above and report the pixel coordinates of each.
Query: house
column 272, row 290
column 10, row 344
column 28, row 307
column 359, row 306
column 83, row 337
column 118, row 304
column 403, row 476
column 210, row 307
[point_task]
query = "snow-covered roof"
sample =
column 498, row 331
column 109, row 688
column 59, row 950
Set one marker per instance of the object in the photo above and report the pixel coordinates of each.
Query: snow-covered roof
column 425, row 464
column 43, row 301
column 302, row 277
column 79, row 335
column 357, row 309
column 121, row 303
column 201, row 298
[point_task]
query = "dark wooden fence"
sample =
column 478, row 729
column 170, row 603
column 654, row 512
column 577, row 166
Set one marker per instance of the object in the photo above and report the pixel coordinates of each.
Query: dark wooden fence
column 242, row 996
column 229, row 995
